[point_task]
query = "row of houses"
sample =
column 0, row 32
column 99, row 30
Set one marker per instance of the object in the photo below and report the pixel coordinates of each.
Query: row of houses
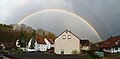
column 65, row 43
column 68, row 43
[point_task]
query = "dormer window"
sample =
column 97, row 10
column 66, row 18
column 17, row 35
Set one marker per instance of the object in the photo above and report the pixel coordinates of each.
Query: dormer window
column 63, row 36
column 69, row 36
column 116, row 43
column 119, row 42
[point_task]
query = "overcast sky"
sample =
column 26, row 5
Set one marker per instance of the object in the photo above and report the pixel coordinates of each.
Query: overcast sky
column 103, row 15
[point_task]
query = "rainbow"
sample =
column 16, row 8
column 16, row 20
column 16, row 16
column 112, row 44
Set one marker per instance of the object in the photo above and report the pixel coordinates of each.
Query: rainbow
column 63, row 11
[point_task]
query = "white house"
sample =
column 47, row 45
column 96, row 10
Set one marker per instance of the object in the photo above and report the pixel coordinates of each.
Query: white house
column 41, row 44
column 111, row 45
column 40, row 47
column 66, row 43
column 2, row 46
column 17, row 43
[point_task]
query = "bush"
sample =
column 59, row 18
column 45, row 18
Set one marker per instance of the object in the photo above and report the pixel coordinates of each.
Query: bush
column 11, row 51
column 93, row 55
column 75, row 52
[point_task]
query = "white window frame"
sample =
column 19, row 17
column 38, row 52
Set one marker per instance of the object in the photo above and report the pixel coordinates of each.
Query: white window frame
column 69, row 36
column 64, row 37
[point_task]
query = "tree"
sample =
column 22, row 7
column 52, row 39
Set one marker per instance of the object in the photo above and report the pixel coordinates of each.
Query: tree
column 8, row 35
column 22, row 41
column 33, row 40
column 25, row 33
column 46, row 34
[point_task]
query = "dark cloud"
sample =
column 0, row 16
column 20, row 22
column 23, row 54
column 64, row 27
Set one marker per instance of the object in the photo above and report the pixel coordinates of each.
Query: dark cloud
column 103, row 15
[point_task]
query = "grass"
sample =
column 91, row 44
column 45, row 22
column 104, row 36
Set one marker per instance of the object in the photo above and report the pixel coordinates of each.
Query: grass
column 11, row 51
column 109, row 56
column 114, row 55
column 90, row 57
column 106, row 57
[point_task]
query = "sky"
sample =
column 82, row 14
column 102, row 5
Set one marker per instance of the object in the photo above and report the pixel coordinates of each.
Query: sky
column 103, row 15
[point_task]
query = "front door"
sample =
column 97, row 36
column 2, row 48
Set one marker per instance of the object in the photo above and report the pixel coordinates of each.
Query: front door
column 62, row 51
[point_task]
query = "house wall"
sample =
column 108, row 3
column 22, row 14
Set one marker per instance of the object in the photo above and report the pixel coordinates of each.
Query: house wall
column 119, row 49
column 2, row 45
column 43, row 47
column 40, row 47
column 52, row 45
column 112, row 50
column 85, row 48
column 68, row 45
column 107, row 50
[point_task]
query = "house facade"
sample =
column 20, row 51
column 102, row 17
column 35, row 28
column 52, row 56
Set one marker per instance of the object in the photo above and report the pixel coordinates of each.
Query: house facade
column 111, row 45
column 40, row 47
column 41, row 44
column 66, row 43
column 2, row 46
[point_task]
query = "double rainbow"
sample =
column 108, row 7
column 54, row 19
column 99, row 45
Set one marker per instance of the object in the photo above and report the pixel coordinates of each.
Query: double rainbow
column 63, row 11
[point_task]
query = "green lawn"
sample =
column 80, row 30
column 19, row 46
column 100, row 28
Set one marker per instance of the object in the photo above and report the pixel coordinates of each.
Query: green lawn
column 11, row 51
column 115, row 55
column 109, row 56
column 90, row 57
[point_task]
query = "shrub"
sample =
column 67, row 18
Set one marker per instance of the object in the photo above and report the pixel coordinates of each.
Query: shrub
column 75, row 52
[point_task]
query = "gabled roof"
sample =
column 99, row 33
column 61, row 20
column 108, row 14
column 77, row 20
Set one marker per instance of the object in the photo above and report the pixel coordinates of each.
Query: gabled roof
column 110, row 42
column 40, row 39
column 69, row 32
column 50, row 41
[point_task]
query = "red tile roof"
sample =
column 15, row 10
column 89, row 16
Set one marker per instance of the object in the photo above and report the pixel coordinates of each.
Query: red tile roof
column 110, row 42
column 50, row 41
column 40, row 39
column 69, row 32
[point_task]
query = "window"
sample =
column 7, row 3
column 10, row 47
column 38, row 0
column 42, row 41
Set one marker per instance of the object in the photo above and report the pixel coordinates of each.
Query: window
column 116, row 48
column 63, row 36
column 116, row 43
column 119, row 42
column 69, row 36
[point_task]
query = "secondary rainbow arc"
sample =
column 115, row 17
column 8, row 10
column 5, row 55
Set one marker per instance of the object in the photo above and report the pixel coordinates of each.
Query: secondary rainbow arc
column 64, row 11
